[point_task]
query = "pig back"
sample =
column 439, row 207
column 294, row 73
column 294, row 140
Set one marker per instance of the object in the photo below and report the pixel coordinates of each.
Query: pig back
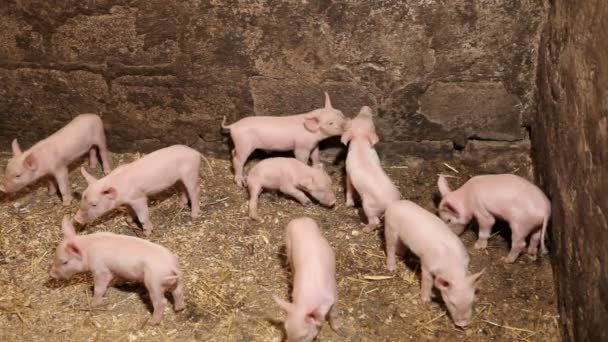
column 158, row 170
column 129, row 256
column 307, row 248
column 425, row 234
column 505, row 194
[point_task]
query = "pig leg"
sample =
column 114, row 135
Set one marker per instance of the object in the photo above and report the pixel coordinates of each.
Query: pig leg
column 294, row 192
column 240, row 153
column 93, row 157
column 518, row 243
column 191, row 184
column 392, row 240
column 533, row 246
column 103, row 153
column 141, row 210
column 183, row 194
column 314, row 156
column 63, row 183
column 255, row 190
column 302, row 154
column 332, row 316
column 157, row 296
column 426, row 285
column 178, row 297
column 486, row 222
column 350, row 189
column 372, row 219
column 52, row 188
column 102, row 279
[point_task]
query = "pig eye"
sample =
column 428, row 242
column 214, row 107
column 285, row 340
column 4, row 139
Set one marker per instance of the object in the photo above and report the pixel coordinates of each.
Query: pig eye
column 64, row 262
column 449, row 220
column 17, row 176
column 93, row 205
column 331, row 123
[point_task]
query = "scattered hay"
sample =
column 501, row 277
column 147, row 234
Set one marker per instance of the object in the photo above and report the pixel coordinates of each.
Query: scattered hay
column 233, row 265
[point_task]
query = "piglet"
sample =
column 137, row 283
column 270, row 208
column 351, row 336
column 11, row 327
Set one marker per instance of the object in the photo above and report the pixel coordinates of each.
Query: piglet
column 508, row 197
column 109, row 255
column 290, row 176
column 314, row 286
column 300, row 133
column 131, row 184
column 364, row 174
column 53, row 155
column 443, row 258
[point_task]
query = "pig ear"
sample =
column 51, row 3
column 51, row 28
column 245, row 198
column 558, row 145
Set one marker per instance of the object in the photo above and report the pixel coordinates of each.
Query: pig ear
column 73, row 249
column 109, row 192
column 90, row 179
column 474, row 279
column 285, row 305
column 447, row 205
column 67, row 228
column 346, row 137
column 373, row 138
column 311, row 123
column 16, row 148
column 441, row 283
column 30, row 162
column 444, row 187
column 315, row 317
column 327, row 101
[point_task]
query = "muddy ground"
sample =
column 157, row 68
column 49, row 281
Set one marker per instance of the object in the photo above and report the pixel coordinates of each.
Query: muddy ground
column 233, row 265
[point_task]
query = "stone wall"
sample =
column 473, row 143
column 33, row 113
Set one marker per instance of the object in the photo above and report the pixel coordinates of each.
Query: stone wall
column 163, row 71
column 570, row 139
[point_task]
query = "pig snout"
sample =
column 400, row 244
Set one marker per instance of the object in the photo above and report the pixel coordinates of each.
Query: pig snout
column 462, row 322
column 53, row 273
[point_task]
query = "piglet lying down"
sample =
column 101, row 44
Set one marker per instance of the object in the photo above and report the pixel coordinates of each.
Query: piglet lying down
column 109, row 255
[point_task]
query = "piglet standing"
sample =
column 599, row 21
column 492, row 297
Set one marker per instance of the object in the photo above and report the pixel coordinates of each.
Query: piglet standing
column 505, row 196
column 363, row 170
column 53, row 155
column 109, row 255
column 443, row 258
column 300, row 133
column 289, row 175
column 131, row 184
column 314, row 286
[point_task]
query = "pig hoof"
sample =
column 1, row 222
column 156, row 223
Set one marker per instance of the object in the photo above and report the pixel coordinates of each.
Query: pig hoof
column 67, row 202
column 368, row 229
column 426, row 299
column 154, row 321
column 350, row 203
column 509, row 260
column 391, row 267
column 52, row 192
column 481, row 244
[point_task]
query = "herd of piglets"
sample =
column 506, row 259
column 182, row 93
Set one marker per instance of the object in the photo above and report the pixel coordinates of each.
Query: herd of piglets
column 433, row 238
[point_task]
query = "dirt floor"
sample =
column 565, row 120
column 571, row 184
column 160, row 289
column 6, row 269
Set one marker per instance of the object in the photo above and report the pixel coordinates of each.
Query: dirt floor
column 232, row 266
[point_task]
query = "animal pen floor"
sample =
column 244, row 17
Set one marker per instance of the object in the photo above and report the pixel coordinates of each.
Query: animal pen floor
column 232, row 266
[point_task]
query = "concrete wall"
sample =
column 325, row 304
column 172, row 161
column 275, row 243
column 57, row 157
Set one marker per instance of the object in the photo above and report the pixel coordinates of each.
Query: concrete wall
column 570, row 139
column 438, row 72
